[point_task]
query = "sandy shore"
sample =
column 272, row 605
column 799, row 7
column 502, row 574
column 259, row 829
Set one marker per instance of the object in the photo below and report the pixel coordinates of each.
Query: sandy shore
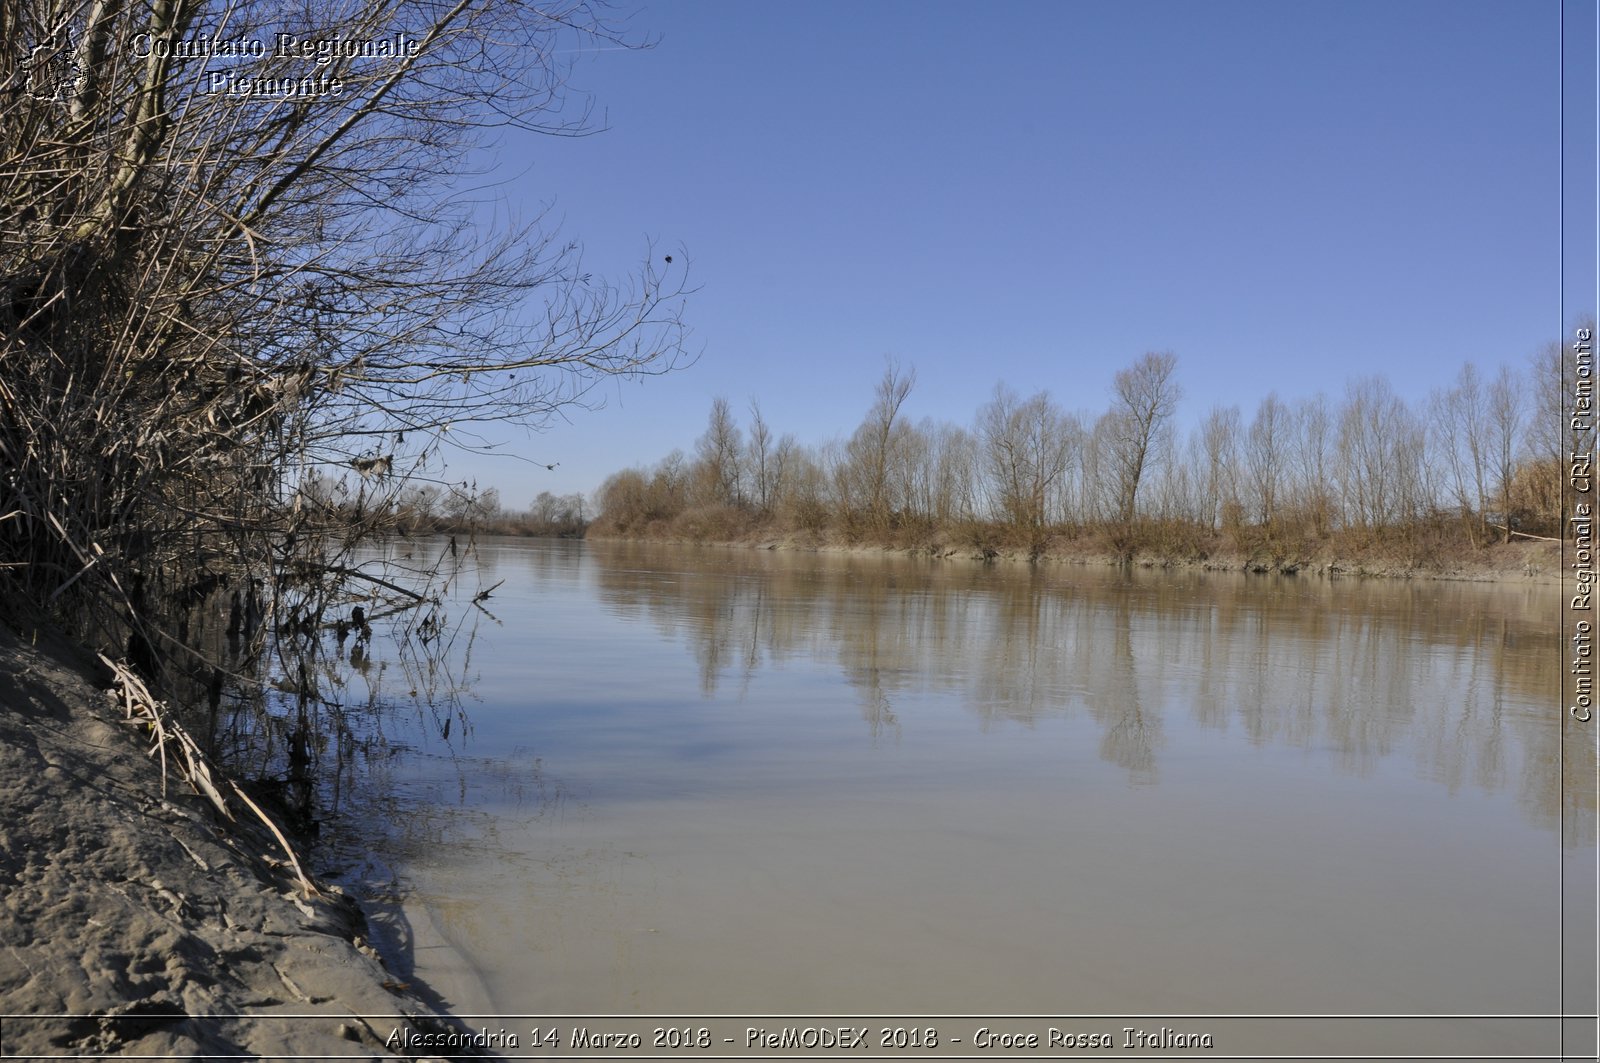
column 132, row 924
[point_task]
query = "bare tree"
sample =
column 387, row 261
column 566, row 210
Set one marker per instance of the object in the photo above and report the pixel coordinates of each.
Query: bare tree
column 760, row 458
column 920, row 475
column 1466, row 432
column 781, row 468
column 557, row 515
column 624, row 500
column 910, row 466
column 868, row 454
column 417, row 506
column 1146, row 396
column 807, row 487
column 721, row 452
column 1098, row 491
column 220, row 274
column 1313, row 461
column 936, row 459
column 1267, row 455
column 1551, row 436
column 1548, row 431
column 1028, row 448
column 465, row 504
column 1219, row 441
column 1380, row 455
column 1503, row 406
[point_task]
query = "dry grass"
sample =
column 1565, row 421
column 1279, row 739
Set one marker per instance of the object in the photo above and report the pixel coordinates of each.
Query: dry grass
column 142, row 708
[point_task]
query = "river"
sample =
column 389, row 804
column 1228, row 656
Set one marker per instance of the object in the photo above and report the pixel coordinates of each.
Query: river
column 689, row 781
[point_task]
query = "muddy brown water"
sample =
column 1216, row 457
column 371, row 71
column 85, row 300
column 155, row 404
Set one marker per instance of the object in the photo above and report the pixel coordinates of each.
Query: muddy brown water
column 699, row 781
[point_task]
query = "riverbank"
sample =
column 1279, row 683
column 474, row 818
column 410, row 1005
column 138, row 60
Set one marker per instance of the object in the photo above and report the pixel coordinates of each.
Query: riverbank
column 1524, row 561
column 137, row 924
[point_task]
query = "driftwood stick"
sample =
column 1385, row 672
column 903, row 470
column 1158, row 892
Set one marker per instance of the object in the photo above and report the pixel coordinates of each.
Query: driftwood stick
column 340, row 570
column 305, row 883
column 1526, row 535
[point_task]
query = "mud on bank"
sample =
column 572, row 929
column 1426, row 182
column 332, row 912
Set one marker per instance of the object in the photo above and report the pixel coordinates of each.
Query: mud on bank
column 1521, row 561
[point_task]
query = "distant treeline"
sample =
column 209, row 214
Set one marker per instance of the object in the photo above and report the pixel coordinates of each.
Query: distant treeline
column 429, row 508
column 1483, row 459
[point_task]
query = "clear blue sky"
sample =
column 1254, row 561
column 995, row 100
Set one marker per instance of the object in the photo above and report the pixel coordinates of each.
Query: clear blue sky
column 1286, row 194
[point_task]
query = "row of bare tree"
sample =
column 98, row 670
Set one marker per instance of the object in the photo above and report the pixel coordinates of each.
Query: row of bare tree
column 1485, row 454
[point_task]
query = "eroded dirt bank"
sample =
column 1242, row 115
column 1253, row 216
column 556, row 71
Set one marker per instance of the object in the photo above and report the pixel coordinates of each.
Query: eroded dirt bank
column 1520, row 561
column 161, row 932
